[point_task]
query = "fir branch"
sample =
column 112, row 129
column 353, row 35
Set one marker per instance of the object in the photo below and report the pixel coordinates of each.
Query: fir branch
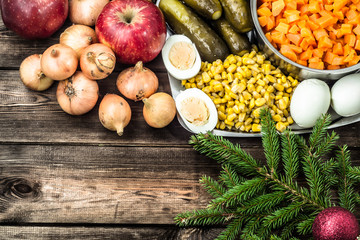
column 290, row 156
column 213, row 187
column 270, row 141
column 223, row 151
column 326, row 145
column 232, row 230
column 305, row 226
column 229, row 177
column 354, row 173
column 239, row 193
column 251, row 226
column 283, row 215
column 204, row 217
column 345, row 185
column 319, row 132
column 262, row 203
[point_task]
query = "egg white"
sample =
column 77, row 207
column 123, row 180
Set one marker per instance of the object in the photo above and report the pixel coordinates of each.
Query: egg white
column 213, row 115
column 173, row 71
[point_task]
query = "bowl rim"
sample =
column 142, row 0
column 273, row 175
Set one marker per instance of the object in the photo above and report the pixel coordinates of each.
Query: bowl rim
column 260, row 32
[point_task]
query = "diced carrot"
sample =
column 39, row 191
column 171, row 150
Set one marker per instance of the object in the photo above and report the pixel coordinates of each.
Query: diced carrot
column 357, row 45
column 328, row 7
column 302, row 62
column 339, row 4
column 347, row 50
column 318, row 52
column 333, row 67
column 354, row 60
column 282, row 27
column 313, row 25
column 295, row 49
column 288, row 52
column 338, row 49
column 264, row 11
column 356, row 30
column 277, row 7
column 291, row 5
column 294, row 38
column 306, row 32
column 292, row 15
column 270, row 23
column 346, row 29
column 278, row 37
column 325, row 42
column 304, row 44
column 314, row 7
column 329, row 57
column 338, row 60
column 350, row 39
column 294, row 29
column 320, row 33
column 326, row 21
column 262, row 21
column 316, row 65
column 306, row 55
column 304, row 9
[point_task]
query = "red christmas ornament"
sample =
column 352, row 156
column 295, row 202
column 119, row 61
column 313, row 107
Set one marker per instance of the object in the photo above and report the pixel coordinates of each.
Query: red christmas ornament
column 335, row 223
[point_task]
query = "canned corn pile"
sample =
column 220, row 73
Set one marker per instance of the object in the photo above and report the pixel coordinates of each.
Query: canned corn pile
column 240, row 86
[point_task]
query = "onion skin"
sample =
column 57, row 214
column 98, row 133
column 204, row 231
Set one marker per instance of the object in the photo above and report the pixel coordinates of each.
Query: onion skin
column 97, row 61
column 85, row 12
column 31, row 74
column 78, row 37
column 59, row 62
column 78, row 94
column 114, row 113
column 137, row 82
column 159, row 110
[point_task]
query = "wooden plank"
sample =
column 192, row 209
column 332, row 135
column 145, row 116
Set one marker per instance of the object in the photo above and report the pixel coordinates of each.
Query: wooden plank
column 82, row 184
column 108, row 232
column 104, row 184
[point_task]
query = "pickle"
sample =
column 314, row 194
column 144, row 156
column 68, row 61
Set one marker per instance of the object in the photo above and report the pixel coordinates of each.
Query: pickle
column 237, row 12
column 237, row 42
column 183, row 21
column 209, row 9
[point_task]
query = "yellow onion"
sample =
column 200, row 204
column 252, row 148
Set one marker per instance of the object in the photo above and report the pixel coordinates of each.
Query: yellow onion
column 97, row 61
column 78, row 37
column 114, row 113
column 31, row 74
column 78, row 94
column 59, row 62
column 159, row 110
column 137, row 82
column 85, row 11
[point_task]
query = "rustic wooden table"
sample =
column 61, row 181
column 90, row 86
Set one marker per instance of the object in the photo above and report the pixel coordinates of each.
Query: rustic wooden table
column 67, row 177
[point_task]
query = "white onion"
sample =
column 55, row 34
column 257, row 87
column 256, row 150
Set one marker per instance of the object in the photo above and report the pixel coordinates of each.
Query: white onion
column 85, row 11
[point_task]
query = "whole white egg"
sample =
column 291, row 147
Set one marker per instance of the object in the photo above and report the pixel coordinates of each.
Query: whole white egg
column 181, row 57
column 310, row 100
column 345, row 95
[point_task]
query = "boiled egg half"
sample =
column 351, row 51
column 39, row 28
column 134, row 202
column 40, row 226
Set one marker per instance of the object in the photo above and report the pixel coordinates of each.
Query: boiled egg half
column 181, row 58
column 197, row 110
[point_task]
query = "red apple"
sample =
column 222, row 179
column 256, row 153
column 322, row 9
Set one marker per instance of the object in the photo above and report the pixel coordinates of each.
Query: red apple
column 34, row 19
column 134, row 29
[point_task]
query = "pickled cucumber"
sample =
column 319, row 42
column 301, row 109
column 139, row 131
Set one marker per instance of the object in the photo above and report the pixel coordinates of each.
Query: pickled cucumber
column 209, row 9
column 184, row 21
column 237, row 12
column 237, row 42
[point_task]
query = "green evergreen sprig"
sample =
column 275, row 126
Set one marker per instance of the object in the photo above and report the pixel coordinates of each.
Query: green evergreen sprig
column 263, row 199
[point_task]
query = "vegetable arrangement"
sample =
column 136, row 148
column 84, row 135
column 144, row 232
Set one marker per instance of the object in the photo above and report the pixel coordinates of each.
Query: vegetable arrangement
column 209, row 51
column 79, row 61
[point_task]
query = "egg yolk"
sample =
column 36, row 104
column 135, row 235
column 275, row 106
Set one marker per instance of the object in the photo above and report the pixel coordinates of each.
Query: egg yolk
column 182, row 55
column 195, row 111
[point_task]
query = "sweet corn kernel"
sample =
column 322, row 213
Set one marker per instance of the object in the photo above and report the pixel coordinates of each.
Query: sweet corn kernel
column 280, row 126
column 260, row 102
column 256, row 127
